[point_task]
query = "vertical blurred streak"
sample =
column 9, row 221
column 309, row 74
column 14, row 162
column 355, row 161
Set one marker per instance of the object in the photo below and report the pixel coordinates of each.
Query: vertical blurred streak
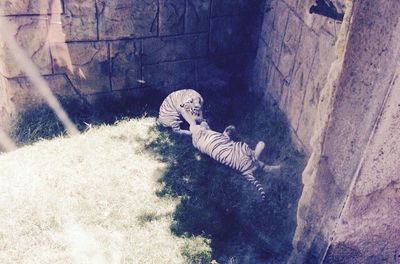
column 6, row 142
column 31, row 71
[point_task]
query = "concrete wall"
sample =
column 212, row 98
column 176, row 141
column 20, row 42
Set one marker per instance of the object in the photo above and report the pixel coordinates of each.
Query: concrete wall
column 88, row 48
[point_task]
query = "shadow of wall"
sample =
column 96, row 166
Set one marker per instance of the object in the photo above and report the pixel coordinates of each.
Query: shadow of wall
column 218, row 202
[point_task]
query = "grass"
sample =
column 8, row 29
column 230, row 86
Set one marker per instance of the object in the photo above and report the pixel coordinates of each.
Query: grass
column 90, row 199
column 144, row 192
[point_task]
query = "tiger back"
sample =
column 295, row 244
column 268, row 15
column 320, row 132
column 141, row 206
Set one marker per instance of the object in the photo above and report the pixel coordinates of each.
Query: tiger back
column 186, row 104
column 236, row 155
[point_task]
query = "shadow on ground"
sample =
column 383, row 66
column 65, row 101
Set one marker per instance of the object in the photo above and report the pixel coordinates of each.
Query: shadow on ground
column 217, row 202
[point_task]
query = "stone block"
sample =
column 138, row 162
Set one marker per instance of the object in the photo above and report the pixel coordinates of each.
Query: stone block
column 275, row 83
column 210, row 76
column 236, row 7
column 281, row 17
column 127, row 19
column 293, row 99
column 172, row 17
column 31, row 33
column 157, row 50
column 275, row 46
column 28, row 7
column 89, row 66
column 239, row 65
column 24, row 94
column 303, row 11
column 291, row 42
column 234, row 34
column 304, row 67
column 170, row 75
column 197, row 16
column 291, row 3
column 125, row 64
column 79, row 21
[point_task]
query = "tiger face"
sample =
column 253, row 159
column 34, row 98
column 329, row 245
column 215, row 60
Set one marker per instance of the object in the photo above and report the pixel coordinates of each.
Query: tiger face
column 193, row 105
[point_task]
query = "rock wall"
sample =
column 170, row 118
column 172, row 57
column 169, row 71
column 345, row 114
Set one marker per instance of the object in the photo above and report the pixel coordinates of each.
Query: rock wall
column 97, row 47
column 367, row 127
column 348, row 210
column 295, row 52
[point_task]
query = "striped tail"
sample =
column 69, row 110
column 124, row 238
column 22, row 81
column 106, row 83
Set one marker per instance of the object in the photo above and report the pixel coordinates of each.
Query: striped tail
column 249, row 176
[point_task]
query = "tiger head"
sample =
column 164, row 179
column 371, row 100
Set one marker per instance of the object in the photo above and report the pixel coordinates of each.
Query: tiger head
column 193, row 103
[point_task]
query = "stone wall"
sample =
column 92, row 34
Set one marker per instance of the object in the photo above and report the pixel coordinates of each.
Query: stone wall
column 97, row 47
column 337, row 84
column 295, row 52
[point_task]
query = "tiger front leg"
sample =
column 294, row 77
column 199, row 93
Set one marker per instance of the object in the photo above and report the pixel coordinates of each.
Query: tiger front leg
column 182, row 131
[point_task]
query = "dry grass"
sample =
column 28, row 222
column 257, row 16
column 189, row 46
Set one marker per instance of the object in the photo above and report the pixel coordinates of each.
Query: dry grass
column 90, row 199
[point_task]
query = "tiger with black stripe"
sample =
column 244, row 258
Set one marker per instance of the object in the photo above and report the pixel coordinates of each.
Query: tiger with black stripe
column 237, row 155
column 186, row 104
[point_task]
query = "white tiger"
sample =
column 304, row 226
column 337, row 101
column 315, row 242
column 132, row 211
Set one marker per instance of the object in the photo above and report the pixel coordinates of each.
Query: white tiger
column 237, row 155
column 186, row 103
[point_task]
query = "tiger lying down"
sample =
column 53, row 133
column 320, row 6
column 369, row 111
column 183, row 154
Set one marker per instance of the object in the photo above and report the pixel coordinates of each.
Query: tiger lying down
column 186, row 103
column 237, row 155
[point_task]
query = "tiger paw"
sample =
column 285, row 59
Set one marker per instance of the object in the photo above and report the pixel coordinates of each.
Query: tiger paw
column 272, row 168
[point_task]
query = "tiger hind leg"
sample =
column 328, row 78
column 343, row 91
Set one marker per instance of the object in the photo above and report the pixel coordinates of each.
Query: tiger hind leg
column 259, row 149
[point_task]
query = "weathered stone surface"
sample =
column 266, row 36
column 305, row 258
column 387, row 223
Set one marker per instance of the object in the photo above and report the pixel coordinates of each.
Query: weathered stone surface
column 295, row 102
column 31, row 34
column 303, row 11
column 117, row 97
column 361, row 91
column 79, row 21
column 292, row 3
column 281, row 17
column 291, row 42
column 234, row 34
column 29, row 7
column 125, row 64
column 127, row 19
column 170, row 75
column 210, row 76
column 322, row 58
column 24, row 94
column 197, row 16
column 236, row 7
column 157, row 50
column 275, row 82
column 172, row 16
column 7, row 108
column 369, row 222
column 90, row 71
